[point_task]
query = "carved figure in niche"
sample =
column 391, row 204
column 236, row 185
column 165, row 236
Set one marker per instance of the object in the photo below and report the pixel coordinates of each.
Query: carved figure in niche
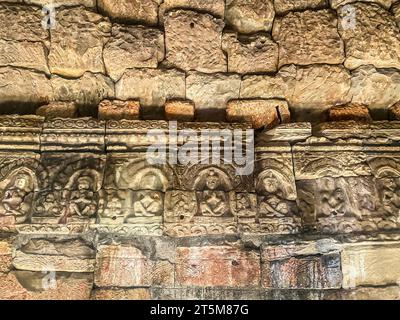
column 180, row 206
column 49, row 205
column 391, row 195
column 148, row 204
column 334, row 199
column 16, row 197
column 245, row 205
column 274, row 192
column 364, row 196
column 214, row 201
column 113, row 207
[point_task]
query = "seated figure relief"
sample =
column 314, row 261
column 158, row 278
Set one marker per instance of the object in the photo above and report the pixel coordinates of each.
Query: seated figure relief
column 17, row 197
column 213, row 200
column 390, row 196
column 274, row 195
column 334, row 199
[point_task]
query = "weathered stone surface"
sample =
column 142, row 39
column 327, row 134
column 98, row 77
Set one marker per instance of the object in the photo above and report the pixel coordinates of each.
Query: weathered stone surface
column 152, row 87
column 143, row 11
column 371, row 293
column 284, row 6
column 217, row 266
column 370, row 264
column 20, row 86
column 375, row 41
column 205, row 293
column 210, row 93
column 260, row 113
column 5, row 256
column 264, row 87
column 25, row 54
column 248, row 16
column 214, row 7
column 396, row 12
column 21, row 23
column 118, row 110
column 337, row 3
column 58, row 109
column 121, row 294
column 314, row 89
column 26, row 285
column 58, row 3
column 179, row 110
column 308, row 37
column 124, row 266
column 250, row 54
column 394, row 112
column 77, row 42
column 349, row 112
column 132, row 47
column 193, row 41
column 300, row 266
column 376, row 88
column 88, row 90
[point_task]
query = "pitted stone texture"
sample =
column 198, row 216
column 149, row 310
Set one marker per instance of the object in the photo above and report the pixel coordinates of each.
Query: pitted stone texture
column 248, row 16
column 123, row 266
column 376, row 88
column 77, row 42
column 250, row 54
column 25, row 54
column 23, row 86
column 284, row 6
column 369, row 264
column 308, row 37
column 314, row 89
column 26, row 285
column 394, row 112
column 211, row 93
column 350, row 112
column 193, row 41
column 373, row 38
column 337, row 3
column 121, row 294
column 142, row 11
column 88, row 90
column 260, row 113
column 57, row 3
column 118, row 110
column 132, row 47
column 6, row 251
column 179, row 110
column 58, row 109
column 217, row 266
column 151, row 86
column 21, row 22
column 214, row 7
column 265, row 87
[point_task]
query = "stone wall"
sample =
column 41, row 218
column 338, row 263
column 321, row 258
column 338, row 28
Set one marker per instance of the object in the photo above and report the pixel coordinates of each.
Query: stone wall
column 313, row 54
column 86, row 214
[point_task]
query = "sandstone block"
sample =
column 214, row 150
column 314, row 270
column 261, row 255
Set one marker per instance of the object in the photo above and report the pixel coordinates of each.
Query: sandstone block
column 132, row 47
column 338, row 3
column 248, row 16
column 250, row 54
column 23, row 54
column 21, row 23
column 396, row 12
column 371, row 293
column 260, row 113
column 370, row 264
column 214, row 7
column 6, row 252
column 77, row 42
column 217, row 266
column 151, row 86
column 58, row 109
column 296, row 266
column 376, row 88
column 123, row 266
column 308, row 37
column 121, row 294
column 58, row 3
column 27, row 285
column 193, row 41
column 211, row 93
column 284, row 6
column 118, row 110
column 394, row 112
column 264, row 87
column 350, row 112
column 179, row 110
column 142, row 11
column 373, row 38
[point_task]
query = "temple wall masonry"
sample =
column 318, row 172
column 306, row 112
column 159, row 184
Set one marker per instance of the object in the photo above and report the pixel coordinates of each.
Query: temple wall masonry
column 86, row 213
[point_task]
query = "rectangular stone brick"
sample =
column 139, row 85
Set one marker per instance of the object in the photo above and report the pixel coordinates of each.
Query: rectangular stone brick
column 121, row 294
column 217, row 266
column 118, row 110
column 124, row 266
column 5, row 256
